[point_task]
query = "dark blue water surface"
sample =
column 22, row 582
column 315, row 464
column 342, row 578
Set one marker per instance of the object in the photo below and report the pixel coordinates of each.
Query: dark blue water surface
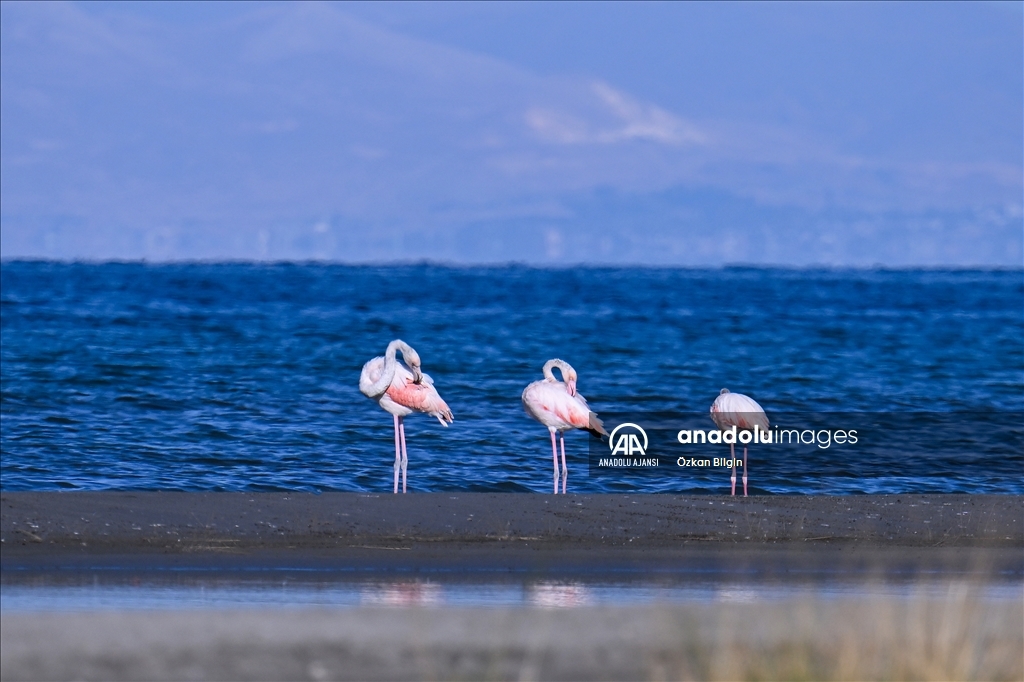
column 244, row 377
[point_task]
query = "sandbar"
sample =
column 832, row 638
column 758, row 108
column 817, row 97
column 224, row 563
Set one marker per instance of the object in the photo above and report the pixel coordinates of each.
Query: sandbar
column 505, row 531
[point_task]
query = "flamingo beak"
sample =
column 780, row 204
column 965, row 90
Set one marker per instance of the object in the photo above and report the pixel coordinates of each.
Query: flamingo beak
column 571, row 386
column 417, row 375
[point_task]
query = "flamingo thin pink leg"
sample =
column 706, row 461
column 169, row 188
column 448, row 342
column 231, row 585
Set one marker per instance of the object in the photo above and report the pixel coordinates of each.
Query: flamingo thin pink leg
column 565, row 469
column 405, row 454
column 744, row 471
column 732, row 452
column 398, row 453
column 554, row 455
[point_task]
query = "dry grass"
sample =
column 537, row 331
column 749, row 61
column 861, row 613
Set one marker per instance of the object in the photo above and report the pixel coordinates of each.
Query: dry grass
column 959, row 635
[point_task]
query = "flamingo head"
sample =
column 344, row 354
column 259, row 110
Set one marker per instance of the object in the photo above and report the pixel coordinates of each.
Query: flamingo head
column 570, row 382
column 412, row 359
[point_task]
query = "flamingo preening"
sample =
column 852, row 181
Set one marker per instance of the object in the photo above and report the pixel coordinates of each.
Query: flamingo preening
column 558, row 406
column 737, row 410
column 402, row 391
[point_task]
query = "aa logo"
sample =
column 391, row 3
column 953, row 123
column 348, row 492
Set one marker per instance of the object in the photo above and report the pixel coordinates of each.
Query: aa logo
column 627, row 443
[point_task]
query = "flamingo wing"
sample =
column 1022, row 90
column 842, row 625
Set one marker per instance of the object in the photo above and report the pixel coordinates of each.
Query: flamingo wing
column 736, row 409
column 421, row 397
column 551, row 405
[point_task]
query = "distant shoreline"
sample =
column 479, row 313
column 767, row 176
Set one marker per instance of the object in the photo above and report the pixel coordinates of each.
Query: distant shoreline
column 503, row 531
column 495, row 265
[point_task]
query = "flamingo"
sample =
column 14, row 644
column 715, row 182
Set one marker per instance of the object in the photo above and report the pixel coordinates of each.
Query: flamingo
column 736, row 409
column 402, row 391
column 559, row 407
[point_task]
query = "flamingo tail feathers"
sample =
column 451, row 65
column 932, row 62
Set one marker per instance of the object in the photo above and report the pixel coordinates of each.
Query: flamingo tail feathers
column 595, row 427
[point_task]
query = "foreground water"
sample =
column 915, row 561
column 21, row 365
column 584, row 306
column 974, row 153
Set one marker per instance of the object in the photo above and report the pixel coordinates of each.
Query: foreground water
column 172, row 590
column 244, row 377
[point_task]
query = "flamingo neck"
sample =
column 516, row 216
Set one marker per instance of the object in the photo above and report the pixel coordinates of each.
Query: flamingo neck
column 380, row 387
column 562, row 365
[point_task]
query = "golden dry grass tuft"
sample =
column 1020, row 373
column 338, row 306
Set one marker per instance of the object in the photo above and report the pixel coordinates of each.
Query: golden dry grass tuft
column 959, row 635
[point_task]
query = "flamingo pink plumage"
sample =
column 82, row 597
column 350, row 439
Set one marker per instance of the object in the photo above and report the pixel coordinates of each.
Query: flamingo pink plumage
column 401, row 391
column 558, row 406
column 743, row 412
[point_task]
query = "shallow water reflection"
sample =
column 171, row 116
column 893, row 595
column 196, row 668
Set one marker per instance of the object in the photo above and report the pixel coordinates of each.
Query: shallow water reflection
column 414, row 593
column 559, row 595
column 99, row 591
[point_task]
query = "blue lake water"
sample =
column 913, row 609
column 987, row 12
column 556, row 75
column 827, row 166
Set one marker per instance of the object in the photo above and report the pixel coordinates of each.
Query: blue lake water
column 244, row 377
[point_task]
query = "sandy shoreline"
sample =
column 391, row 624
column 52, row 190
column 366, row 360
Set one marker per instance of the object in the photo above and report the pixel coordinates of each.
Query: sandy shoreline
column 467, row 531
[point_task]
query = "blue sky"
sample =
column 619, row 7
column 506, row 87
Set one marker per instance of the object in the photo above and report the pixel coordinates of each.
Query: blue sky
column 551, row 133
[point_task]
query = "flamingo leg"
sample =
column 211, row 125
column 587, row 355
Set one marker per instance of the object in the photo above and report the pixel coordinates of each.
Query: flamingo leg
column 565, row 469
column 398, row 453
column 744, row 471
column 732, row 453
column 554, row 456
column 405, row 454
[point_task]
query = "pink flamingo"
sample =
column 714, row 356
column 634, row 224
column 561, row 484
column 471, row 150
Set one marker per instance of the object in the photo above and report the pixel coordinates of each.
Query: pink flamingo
column 402, row 391
column 559, row 407
column 736, row 409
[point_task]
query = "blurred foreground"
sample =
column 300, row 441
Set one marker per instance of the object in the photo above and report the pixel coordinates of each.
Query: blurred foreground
column 274, row 586
column 960, row 634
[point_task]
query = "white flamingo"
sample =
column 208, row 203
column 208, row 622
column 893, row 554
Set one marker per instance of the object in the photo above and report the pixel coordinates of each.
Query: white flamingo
column 559, row 407
column 402, row 391
column 736, row 409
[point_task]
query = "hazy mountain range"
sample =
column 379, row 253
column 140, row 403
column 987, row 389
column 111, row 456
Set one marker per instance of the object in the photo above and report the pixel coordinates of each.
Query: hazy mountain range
column 692, row 134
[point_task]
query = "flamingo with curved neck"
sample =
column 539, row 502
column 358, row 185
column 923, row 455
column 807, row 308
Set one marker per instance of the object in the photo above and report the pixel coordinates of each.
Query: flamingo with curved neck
column 558, row 406
column 400, row 391
column 376, row 388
